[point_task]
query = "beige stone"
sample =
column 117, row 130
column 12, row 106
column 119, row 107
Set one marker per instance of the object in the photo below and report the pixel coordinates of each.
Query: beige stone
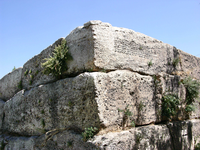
column 100, row 46
column 68, row 102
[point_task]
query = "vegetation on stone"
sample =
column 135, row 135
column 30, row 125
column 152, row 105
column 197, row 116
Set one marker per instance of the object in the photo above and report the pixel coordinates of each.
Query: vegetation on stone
column 57, row 63
column 197, row 146
column 175, row 62
column 170, row 104
column 150, row 63
column 20, row 85
column 88, row 133
column 192, row 89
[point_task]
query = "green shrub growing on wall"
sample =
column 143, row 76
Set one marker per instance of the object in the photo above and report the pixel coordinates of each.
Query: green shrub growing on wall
column 88, row 133
column 175, row 62
column 197, row 146
column 57, row 64
column 192, row 92
column 170, row 104
column 192, row 89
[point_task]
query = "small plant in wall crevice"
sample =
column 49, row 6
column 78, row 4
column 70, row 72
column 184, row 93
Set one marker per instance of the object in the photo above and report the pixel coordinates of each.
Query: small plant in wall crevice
column 175, row 61
column 192, row 92
column 126, row 115
column 57, row 63
column 89, row 133
column 170, row 104
column 150, row 63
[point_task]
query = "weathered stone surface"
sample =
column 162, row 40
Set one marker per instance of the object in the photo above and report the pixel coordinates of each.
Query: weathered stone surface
column 9, row 84
column 177, row 135
column 32, row 74
column 188, row 65
column 72, row 101
column 61, row 140
column 1, row 113
column 184, row 134
column 64, row 140
column 154, row 137
column 120, row 89
column 68, row 102
column 80, row 42
column 17, row 143
column 96, row 46
column 134, row 72
column 195, row 132
column 90, row 99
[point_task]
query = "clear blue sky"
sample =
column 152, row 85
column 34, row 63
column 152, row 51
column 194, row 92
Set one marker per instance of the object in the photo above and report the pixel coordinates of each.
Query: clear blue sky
column 29, row 26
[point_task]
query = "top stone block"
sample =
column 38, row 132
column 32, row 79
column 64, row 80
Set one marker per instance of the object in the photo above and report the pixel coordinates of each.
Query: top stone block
column 99, row 46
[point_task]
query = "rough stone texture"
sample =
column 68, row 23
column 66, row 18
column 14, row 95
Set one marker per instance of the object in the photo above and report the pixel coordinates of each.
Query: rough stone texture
column 67, row 102
column 154, row 137
column 184, row 134
column 177, row 135
column 120, row 48
column 80, row 43
column 96, row 46
column 64, row 140
column 72, row 101
column 32, row 74
column 91, row 99
column 9, row 84
column 1, row 113
column 18, row 143
column 119, row 89
column 125, row 71
column 188, row 66
column 195, row 132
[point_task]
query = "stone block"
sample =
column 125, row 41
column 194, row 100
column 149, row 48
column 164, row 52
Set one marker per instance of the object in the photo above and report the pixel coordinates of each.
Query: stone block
column 90, row 99
column 100, row 46
column 155, row 137
column 121, row 91
column 32, row 73
column 188, row 65
column 9, row 84
column 67, row 102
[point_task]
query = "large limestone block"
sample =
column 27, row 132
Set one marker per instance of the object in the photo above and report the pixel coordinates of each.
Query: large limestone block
column 90, row 99
column 100, row 46
column 188, row 65
column 154, row 137
column 127, row 91
column 120, row 48
column 65, row 103
column 9, row 84
column 80, row 43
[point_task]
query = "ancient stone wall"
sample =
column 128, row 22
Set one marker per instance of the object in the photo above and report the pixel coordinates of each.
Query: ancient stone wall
column 115, row 82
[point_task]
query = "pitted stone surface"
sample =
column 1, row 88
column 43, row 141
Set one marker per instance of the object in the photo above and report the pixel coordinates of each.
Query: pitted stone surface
column 9, row 84
column 67, row 102
column 114, row 71
column 155, row 137
column 120, row 89
column 97, row 45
